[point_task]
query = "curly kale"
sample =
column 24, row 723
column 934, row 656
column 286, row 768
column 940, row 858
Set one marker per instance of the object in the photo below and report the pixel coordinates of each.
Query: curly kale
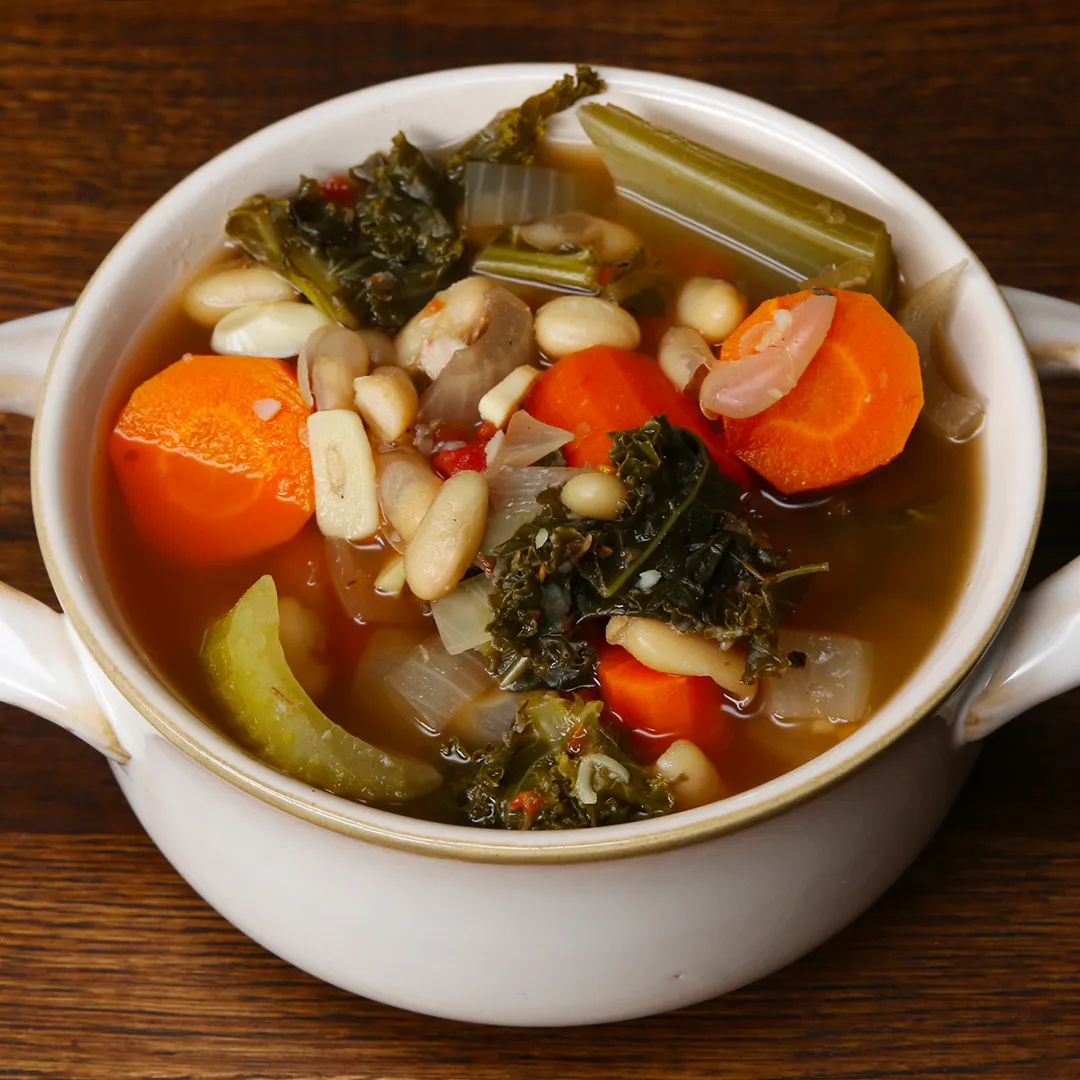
column 678, row 551
column 379, row 259
column 559, row 767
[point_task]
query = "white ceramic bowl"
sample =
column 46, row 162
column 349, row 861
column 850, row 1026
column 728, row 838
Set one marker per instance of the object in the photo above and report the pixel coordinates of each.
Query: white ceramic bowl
column 479, row 925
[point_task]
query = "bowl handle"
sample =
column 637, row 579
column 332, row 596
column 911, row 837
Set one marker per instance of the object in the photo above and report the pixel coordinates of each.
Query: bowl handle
column 1037, row 654
column 41, row 665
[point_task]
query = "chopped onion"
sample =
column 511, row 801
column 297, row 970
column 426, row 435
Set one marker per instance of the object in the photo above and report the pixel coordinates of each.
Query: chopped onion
column 527, row 441
column 266, row 408
column 510, row 194
column 462, row 616
column 834, row 685
column 487, row 719
column 950, row 414
column 432, row 686
column 507, row 343
column 512, row 494
column 386, row 650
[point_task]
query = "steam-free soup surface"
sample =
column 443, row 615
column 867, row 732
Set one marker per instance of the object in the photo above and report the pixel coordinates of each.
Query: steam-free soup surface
column 897, row 543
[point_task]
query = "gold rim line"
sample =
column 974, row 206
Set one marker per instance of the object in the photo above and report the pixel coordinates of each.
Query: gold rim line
column 483, row 847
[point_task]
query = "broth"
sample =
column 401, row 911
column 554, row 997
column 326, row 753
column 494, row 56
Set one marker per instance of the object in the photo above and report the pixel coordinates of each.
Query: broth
column 898, row 543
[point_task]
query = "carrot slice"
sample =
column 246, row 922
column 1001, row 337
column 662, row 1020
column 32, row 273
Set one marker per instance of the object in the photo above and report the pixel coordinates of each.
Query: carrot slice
column 658, row 709
column 208, row 477
column 851, row 411
column 603, row 389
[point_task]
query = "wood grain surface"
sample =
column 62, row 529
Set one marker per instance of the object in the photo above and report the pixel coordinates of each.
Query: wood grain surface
column 111, row 967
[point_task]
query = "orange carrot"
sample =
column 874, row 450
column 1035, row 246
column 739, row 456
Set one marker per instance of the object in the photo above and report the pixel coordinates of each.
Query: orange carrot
column 851, row 411
column 206, row 477
column 604, row 389
column 658, row 708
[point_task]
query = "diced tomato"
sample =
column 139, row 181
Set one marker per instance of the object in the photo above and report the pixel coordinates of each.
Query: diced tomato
column 469, row 458
column 530, row 801
column 340, row 190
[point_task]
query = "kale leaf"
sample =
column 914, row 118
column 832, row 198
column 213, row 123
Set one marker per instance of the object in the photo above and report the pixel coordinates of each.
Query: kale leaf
column 559, row 767
column 514, row 135
column 678, row 552
column 379, row 260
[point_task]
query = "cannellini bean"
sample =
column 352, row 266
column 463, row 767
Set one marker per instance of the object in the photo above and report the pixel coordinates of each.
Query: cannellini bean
column 391, row 578
column 407, row 488
column 380, row 347
column 661, row 647
column 594, row 494
column 278, row 329
column 208, row 299
column 682, row 353
column 692, row 777
column 330, row 359
column 388, row 402
column 711, row 306
column 303, row 640
column 609, row 241
column 346, row 486
column 503, row 399
column 449, row 536
column 452, row 320
column 569, row 324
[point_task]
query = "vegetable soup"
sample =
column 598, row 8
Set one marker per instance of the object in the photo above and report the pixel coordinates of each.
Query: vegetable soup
column 521, row 490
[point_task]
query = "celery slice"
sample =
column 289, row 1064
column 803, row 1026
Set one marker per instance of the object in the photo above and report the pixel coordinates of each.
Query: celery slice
column 798, row 232
column 573, row 270
column 268, row 709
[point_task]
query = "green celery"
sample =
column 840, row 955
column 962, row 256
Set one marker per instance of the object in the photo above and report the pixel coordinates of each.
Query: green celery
column 567, row 270
column 798, row 232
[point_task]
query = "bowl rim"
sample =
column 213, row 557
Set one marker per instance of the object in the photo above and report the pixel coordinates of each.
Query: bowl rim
column 154, row 702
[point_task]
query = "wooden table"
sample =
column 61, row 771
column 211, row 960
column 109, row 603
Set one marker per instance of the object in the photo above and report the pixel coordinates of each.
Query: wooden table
column 111, row 967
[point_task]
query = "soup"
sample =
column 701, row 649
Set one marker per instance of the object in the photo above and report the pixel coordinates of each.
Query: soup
column 578, row 524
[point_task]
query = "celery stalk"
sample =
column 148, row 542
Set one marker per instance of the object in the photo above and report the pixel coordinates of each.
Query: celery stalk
column 798, row 232
column 573, row 270
column 270, row 711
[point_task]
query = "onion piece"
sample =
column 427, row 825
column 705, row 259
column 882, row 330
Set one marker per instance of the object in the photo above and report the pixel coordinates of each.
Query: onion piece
column 463, row 615
column 431, row 686
column 834, row 685
column 948, row 413
column 506, row 343
column 527, row 440
column 486, row 719
column 512, row 494
column 774, row 354
column 497, row 194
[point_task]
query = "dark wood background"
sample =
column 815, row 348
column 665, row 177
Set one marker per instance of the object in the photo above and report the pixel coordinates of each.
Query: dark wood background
column 111, row 967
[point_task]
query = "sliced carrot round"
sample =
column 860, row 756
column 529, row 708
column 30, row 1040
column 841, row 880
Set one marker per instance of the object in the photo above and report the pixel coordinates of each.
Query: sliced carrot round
column 211, row 457
column 851, row 411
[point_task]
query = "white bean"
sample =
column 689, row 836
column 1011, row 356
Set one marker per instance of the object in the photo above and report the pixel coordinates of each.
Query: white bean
column 594, row 494
column 569, row 324
column 609, row 241
column 407, row 488
column 388, row 402
column 452, row 320
column 208, row 299
column 711, row 306
column 279, row 329
column 303, row 640
column 690, row 775
column 330, row 359
column 380, row 347
column 449, row 536
column 661, row 647
column 681, row 354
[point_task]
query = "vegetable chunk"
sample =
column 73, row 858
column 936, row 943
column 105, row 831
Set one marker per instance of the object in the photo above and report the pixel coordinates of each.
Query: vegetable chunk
column 266, row 706
column 210, row 457
column 851, row 411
